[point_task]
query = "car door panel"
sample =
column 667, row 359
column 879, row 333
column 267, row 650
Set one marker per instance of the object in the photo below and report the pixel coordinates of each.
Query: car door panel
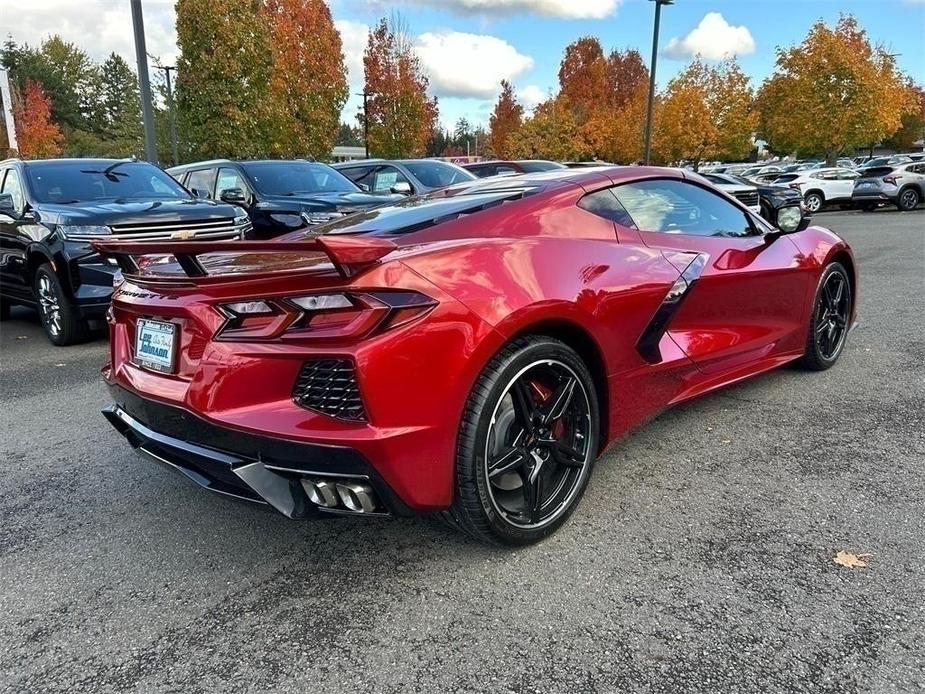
column 744, row 297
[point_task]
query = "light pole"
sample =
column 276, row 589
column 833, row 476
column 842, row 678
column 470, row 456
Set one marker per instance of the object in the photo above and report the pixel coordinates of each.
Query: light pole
column 366, row 96
column 658, row 16
column 144, row 85
column 171, row 115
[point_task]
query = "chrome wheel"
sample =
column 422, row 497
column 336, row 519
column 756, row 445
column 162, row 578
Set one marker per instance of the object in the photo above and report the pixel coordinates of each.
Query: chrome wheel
column 833, row 311
column 539, row 449
column 49, row 305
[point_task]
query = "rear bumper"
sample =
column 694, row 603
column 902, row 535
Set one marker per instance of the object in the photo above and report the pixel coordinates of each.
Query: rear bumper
column 234, row 463
column 873, row 195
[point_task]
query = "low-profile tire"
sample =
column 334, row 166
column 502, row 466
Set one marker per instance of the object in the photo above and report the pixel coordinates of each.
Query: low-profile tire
column 814, row 202
column 62, row 325
column 829, row 322
column 527, row 443
column 908, row 199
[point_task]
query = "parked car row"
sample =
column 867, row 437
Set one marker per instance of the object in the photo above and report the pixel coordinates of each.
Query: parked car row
column 50, row 211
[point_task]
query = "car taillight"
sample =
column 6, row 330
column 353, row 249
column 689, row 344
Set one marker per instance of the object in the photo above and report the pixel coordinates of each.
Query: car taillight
column 890, row 179
column 795, row 186
column 332, row 316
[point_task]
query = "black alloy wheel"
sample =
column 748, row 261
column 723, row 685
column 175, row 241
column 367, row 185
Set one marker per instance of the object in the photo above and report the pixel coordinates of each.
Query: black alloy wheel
column 527, row 443
column 908, row 200
column 829, row 325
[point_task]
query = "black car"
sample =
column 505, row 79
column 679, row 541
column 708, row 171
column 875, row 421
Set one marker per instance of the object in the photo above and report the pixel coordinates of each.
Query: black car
column 484, row 169
column 51, row 210
column 770, row 197
column 403, row 176
column 279, row 195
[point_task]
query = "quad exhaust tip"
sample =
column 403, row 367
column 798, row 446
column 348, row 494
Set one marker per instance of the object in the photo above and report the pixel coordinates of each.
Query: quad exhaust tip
column 350, row 495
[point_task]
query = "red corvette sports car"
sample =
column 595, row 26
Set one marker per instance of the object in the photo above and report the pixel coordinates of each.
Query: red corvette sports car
column 470, row 352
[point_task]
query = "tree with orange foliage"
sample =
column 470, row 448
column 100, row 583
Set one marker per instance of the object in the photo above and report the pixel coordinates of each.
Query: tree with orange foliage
column 37, row 135
column 308, row 83
column 400, row 115
column 506, row 119
column 583, row 77
column 705, row 113
column 833, row 93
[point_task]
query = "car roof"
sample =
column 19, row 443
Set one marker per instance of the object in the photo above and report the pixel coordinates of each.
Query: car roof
column 83, row 160
column 225, row 162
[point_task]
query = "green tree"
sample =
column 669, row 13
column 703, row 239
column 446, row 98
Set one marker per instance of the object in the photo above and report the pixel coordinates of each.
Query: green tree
column 121, row 108
column 223, row 78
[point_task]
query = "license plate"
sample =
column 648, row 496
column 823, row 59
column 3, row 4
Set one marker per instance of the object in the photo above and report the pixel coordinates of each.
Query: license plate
column 866, row 184
column 155, row 345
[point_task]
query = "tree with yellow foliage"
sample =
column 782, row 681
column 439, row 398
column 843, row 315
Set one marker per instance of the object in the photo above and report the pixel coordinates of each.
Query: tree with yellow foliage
column 833, row 93
column 705, row 113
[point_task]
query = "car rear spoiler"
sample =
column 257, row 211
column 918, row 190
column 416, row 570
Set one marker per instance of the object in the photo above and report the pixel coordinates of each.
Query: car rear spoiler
column 349, row 254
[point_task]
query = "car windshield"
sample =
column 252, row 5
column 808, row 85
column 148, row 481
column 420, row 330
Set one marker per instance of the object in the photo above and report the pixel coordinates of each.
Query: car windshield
column 297, row 178
column 437, row 174
column 536, row 166
column 66, row 182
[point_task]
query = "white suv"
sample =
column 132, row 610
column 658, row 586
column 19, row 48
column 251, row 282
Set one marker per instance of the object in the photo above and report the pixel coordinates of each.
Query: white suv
column 821, row 186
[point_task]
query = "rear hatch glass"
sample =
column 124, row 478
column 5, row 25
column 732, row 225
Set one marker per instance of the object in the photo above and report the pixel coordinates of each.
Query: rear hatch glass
column 877, row 172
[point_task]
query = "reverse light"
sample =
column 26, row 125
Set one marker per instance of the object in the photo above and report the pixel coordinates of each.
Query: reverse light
column 249, row 307
column 81, row 232
column 322, row 302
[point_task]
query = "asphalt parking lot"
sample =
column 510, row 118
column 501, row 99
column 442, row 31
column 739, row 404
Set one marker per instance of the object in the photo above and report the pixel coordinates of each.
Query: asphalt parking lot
column 699, row 561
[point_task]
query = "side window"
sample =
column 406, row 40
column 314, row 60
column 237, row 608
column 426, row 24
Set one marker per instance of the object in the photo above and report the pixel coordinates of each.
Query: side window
column 361, row 175
column 604, row 204
column 227, row 179
column 846, row 175
column 202, row 180
column 386, row 177
column 679, row 207
column 13, row 186
column 505, row 169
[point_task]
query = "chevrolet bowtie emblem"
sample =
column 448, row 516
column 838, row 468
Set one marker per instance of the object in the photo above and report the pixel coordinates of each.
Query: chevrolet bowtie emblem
column 185, row 235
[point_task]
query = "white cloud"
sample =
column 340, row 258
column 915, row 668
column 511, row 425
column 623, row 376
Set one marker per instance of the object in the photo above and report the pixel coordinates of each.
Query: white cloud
column 353, row 36
column 531, row 96
column 564, row 9
column 468, row 65
column 99, row 27
column 713, row 39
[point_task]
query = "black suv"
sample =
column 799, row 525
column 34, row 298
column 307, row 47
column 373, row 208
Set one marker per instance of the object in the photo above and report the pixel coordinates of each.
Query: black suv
column 279, row 195
column 51, row 210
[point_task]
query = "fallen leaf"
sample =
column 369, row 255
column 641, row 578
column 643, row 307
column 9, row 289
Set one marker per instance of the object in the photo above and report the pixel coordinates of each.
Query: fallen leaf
column 850, row 560
column 727, row 440
column 22, row 337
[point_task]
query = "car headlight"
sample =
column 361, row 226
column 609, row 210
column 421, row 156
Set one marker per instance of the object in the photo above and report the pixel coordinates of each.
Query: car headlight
column 290, row 220
column 83, row 233
column 320, row 217
column 241, row 216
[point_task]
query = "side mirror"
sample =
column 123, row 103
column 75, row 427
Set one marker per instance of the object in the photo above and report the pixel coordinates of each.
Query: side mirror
column 402, row 188
column 200, row 194
column 233, row 196
column 790, row 219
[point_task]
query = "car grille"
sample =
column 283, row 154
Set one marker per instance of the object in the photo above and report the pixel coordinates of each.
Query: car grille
column 330, row 386
column 748, row 198
column 197, row 230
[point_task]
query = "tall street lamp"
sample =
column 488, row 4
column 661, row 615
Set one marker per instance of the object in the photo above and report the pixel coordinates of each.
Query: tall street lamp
column 366, row 96
column 171, row 115
column 658, row 16
column 144, row 86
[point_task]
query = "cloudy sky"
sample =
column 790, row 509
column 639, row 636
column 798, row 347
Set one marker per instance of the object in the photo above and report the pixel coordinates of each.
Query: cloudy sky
column 469, row 46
